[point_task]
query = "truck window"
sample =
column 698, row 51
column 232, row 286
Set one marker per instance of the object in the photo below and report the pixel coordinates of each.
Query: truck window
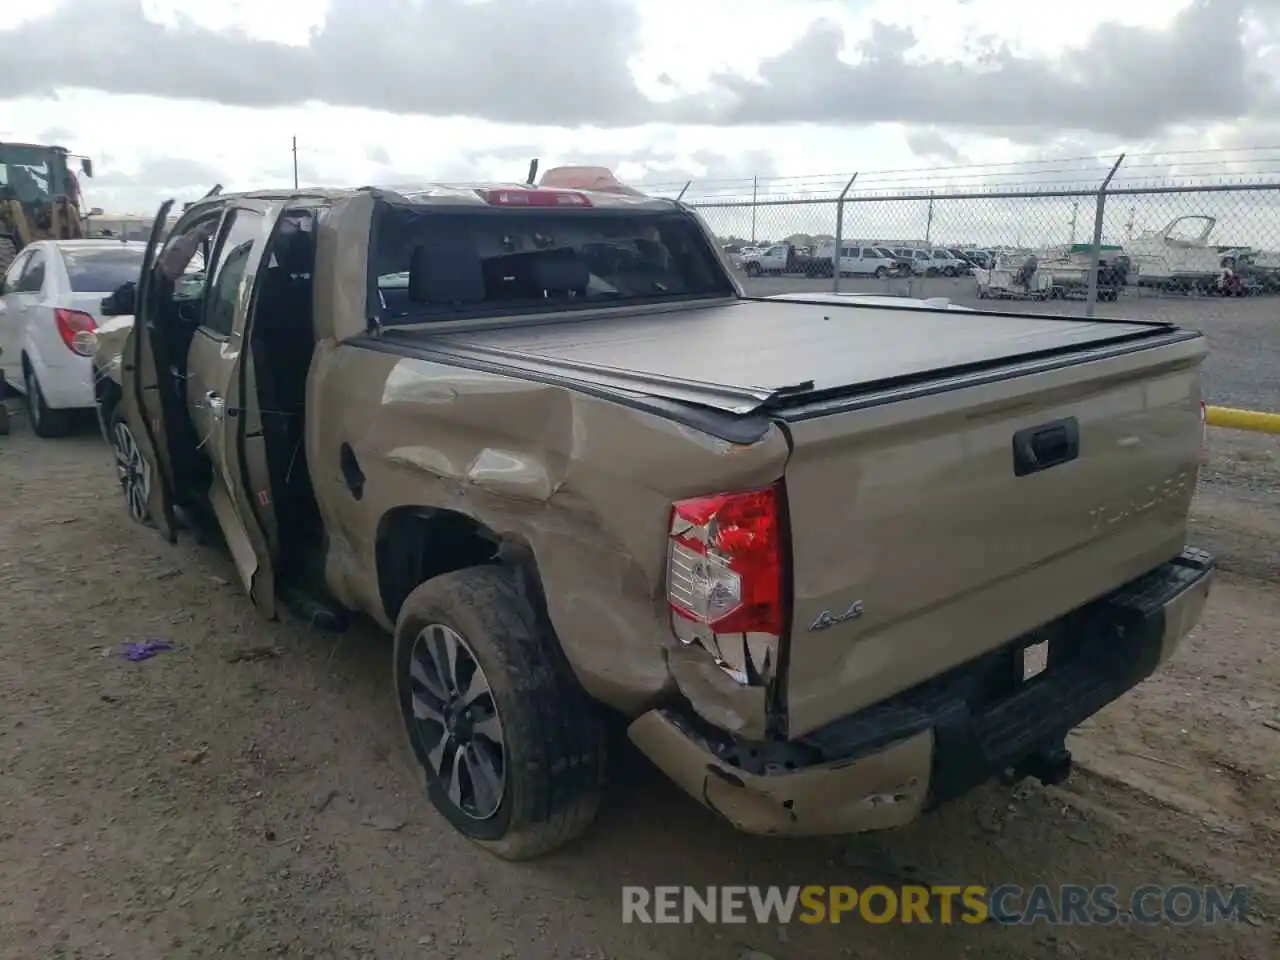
column 431, row 264
column 230, row 262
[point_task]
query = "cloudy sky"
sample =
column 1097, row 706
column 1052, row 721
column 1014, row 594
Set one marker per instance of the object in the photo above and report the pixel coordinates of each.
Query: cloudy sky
column 170, row 96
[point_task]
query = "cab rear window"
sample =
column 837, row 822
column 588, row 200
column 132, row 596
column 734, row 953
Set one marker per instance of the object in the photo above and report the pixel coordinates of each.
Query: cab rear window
column 433, row 264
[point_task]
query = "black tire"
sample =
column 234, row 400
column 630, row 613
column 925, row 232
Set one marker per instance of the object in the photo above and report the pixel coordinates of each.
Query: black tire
column 949, row 272
column 46, row 422
column 752, row 269
column 553, row 737
column 881, row 273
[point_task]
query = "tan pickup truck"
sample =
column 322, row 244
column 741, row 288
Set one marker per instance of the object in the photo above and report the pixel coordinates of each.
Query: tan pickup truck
column 834, row 561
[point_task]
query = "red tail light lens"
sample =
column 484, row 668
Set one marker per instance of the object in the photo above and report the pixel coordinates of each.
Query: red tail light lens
column 725, row 564
column 510, row 197
column 77, row 330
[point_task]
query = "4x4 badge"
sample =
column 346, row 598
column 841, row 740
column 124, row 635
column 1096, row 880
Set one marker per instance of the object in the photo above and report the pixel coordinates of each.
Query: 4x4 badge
column 828, row 619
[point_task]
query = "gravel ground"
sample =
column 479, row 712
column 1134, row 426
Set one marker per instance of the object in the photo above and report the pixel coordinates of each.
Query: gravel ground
column 1242, row 367
column 246, row 794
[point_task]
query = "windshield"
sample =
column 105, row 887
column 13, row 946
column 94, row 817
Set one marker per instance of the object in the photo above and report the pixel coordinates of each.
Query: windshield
column 433, row 263
column 32, row 174
column 103, row 269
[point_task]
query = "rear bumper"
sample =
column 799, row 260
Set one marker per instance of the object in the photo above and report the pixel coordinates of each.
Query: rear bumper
column 883, row 766
column 67, row 384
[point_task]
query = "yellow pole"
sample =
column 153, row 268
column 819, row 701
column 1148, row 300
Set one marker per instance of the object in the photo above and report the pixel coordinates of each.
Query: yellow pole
column 1254, row 421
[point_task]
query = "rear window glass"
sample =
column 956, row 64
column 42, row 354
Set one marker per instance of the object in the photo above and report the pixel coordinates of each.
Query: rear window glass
column 440, row 264
column 102, row 270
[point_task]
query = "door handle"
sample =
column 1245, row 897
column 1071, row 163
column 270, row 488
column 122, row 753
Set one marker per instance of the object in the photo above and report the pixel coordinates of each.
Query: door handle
column 1048, row 445
column 213, row 403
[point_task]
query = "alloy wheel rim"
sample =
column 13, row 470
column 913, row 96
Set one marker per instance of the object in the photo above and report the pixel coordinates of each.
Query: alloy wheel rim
column 455, row 721
column 132, row 471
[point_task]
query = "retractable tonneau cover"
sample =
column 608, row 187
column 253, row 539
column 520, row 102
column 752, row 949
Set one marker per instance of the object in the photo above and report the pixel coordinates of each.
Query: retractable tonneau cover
column 752, row 354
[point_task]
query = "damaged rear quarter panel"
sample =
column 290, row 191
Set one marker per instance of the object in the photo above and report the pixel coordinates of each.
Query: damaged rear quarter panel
column 586, row 483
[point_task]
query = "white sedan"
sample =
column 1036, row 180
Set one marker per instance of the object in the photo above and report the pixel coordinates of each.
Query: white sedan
column 50, row 302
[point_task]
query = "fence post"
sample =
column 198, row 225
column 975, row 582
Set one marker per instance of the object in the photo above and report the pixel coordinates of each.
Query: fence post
column 755, row 193
column 1095, row 255
column 839, row 247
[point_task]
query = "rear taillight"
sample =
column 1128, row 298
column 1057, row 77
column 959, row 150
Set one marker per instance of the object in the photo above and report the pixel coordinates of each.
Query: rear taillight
column 77, row 330
column 725, row 578
column 511, row 197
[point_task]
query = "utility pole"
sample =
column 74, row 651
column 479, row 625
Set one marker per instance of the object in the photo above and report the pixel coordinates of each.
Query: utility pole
column 1128, row 227
column 1075, row 212
column 295, row 163
column 928, row 225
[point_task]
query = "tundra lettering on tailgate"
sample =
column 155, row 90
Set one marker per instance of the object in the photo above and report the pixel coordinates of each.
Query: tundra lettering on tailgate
column 1141, row 501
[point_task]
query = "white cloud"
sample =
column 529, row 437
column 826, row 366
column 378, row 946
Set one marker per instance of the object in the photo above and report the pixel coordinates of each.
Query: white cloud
column 170, row 94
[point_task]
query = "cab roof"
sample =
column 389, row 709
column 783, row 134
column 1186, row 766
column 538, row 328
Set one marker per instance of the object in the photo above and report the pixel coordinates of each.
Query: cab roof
column 597, row 187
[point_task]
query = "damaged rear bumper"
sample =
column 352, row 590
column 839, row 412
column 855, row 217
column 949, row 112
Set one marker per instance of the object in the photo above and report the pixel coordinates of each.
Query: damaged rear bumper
column 880, row 768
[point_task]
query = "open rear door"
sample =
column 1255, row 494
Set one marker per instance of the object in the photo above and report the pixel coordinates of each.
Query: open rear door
column 223, row 396
column 143, row 401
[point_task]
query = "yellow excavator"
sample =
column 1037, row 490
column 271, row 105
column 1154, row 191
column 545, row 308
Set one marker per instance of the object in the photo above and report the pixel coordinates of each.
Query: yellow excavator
column 39, row 197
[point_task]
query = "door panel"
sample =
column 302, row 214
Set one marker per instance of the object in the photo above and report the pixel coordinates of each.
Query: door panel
column 143, row 400
column 223, row 404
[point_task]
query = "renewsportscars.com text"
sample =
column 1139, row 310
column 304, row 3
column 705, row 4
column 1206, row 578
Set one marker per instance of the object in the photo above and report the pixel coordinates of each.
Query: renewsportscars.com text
column 1067, row 904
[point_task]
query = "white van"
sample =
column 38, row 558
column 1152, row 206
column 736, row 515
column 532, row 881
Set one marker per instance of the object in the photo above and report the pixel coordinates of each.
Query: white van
column 861, row 261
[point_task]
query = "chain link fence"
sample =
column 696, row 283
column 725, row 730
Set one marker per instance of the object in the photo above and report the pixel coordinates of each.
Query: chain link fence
column 1200, row 254
column 1162, row 247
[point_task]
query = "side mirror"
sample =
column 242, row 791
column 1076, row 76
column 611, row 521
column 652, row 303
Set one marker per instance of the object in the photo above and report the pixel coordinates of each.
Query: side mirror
column 121, row 301
column 87, row 166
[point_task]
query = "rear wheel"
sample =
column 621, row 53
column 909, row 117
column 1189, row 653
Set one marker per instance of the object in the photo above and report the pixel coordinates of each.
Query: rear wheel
column 949, row 271
column 881, row 273
column 752, row 269
column 45, row 421
column 512, row 749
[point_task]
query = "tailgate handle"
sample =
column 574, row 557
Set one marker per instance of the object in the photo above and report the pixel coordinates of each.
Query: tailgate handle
column 1045, row 446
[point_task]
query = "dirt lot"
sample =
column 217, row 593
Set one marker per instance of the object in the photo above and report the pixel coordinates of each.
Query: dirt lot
column 208, row 803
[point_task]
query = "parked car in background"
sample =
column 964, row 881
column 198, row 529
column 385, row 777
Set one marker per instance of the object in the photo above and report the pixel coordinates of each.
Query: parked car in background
column 980, row 259
column 949, row 263
column 920, row 259
column 860, row 261
column 49, row 314
column 785, row 258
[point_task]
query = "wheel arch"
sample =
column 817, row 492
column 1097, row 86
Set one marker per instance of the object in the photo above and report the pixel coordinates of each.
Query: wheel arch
column 415, row 544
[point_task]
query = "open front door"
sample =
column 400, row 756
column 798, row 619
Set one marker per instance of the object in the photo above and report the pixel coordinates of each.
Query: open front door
column 223, row 398
column 143, row 458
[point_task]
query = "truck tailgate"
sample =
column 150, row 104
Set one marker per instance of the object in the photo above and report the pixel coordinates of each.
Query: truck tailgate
column 923, row 534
